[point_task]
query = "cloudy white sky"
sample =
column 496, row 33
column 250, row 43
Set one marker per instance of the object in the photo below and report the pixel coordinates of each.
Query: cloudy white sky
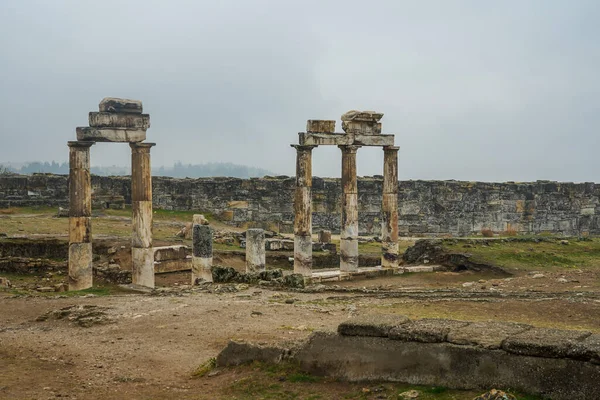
column 473, row 90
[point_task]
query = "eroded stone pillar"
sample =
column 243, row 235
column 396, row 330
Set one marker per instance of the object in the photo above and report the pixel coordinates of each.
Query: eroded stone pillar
column 389, row 208
column 142, row 255
column 80, row 214
column 349, row 229
column 255, row 250
column 202, row 250
column 303, row 211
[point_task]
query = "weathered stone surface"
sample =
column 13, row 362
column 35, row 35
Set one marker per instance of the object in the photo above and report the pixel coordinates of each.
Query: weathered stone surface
column 489, row 335
column 224, row 274
column 164, row 253
column 238, row 353
column 202, row 241
column 80, row 266
column 324, row 236
column 427, row 330
column 131, row 135
column 368, row 116
column 117, row 105
column 320, row 126
column 588, row 349
column 359, row 359
column 142, row 260
column 294, row 281
column 119, row 120
column 371, row 325
column 541, row 342
column 424, row 207
column 255, row 250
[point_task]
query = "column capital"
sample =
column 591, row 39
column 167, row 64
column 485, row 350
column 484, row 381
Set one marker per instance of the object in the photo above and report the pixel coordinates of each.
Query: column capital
column 300, row 147
column 391, row 148
column 349, row 148
column 142, row 147
column 80, row 144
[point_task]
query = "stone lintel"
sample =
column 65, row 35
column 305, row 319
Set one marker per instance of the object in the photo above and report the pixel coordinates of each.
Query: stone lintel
column 119, row 120
column 116, row 105
column 342, row 139
column 87, row 133
column 80, row 143
column 373, row 140
column 320, row 126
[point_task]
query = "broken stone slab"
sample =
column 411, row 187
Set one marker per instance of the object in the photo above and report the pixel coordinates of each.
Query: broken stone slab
column 116, row 105
column 427, row 330
column 489, row 335
column 165, row 253
column 371, row 325
column 126, row 135
column 320, row 126
column 588, row 349
column 368, row 116
column 119, row 120
column 238, row 353
column 542, row 342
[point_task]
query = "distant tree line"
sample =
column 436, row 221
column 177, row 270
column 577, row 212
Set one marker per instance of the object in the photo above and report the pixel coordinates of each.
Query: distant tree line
column 178, row 170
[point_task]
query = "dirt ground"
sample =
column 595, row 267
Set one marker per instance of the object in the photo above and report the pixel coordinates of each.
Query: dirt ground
column 148, row 346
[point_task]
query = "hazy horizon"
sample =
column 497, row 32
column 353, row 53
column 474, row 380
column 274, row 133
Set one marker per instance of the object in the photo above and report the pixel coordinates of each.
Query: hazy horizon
column 488, row 91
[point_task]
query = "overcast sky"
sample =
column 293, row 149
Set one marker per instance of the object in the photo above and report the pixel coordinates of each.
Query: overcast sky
column 473, row 89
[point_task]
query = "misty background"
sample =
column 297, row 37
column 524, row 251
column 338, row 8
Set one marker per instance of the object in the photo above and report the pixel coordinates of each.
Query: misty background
column 473, row 90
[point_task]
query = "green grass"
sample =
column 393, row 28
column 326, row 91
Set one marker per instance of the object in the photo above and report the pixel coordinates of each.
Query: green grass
column 531, row 255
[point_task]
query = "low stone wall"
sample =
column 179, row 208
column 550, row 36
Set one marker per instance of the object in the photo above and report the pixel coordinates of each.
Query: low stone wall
column 559, row 364
column 425, row 207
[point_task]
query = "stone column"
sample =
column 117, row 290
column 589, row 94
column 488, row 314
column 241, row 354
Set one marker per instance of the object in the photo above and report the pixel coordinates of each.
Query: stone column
column 80, row 214
column 202, row 251
column 303, row 211
column 142, row 255
column 255, row 250
column 349, row 229
column 389, row 209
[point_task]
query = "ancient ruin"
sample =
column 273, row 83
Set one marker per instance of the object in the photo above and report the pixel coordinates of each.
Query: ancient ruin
column 362, row 128
column 118, row 120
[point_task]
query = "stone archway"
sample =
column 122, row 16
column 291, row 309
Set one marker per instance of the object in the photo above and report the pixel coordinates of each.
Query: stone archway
column 118, row 121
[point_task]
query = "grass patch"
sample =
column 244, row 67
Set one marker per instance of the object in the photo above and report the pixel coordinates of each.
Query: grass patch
column 205, row 368
column 531, row 255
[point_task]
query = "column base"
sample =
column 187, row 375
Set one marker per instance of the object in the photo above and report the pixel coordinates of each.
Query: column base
column 389, row 256
column 303, row 255
column 349, row 254
column 80, row 266
column 201, row 269
column 142, row 272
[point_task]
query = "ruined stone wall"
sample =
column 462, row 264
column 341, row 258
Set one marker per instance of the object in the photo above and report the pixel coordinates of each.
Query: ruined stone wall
column 425, row 207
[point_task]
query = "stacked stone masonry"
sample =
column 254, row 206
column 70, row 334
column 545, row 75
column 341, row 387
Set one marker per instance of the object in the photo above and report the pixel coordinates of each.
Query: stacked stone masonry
column 424, row 207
